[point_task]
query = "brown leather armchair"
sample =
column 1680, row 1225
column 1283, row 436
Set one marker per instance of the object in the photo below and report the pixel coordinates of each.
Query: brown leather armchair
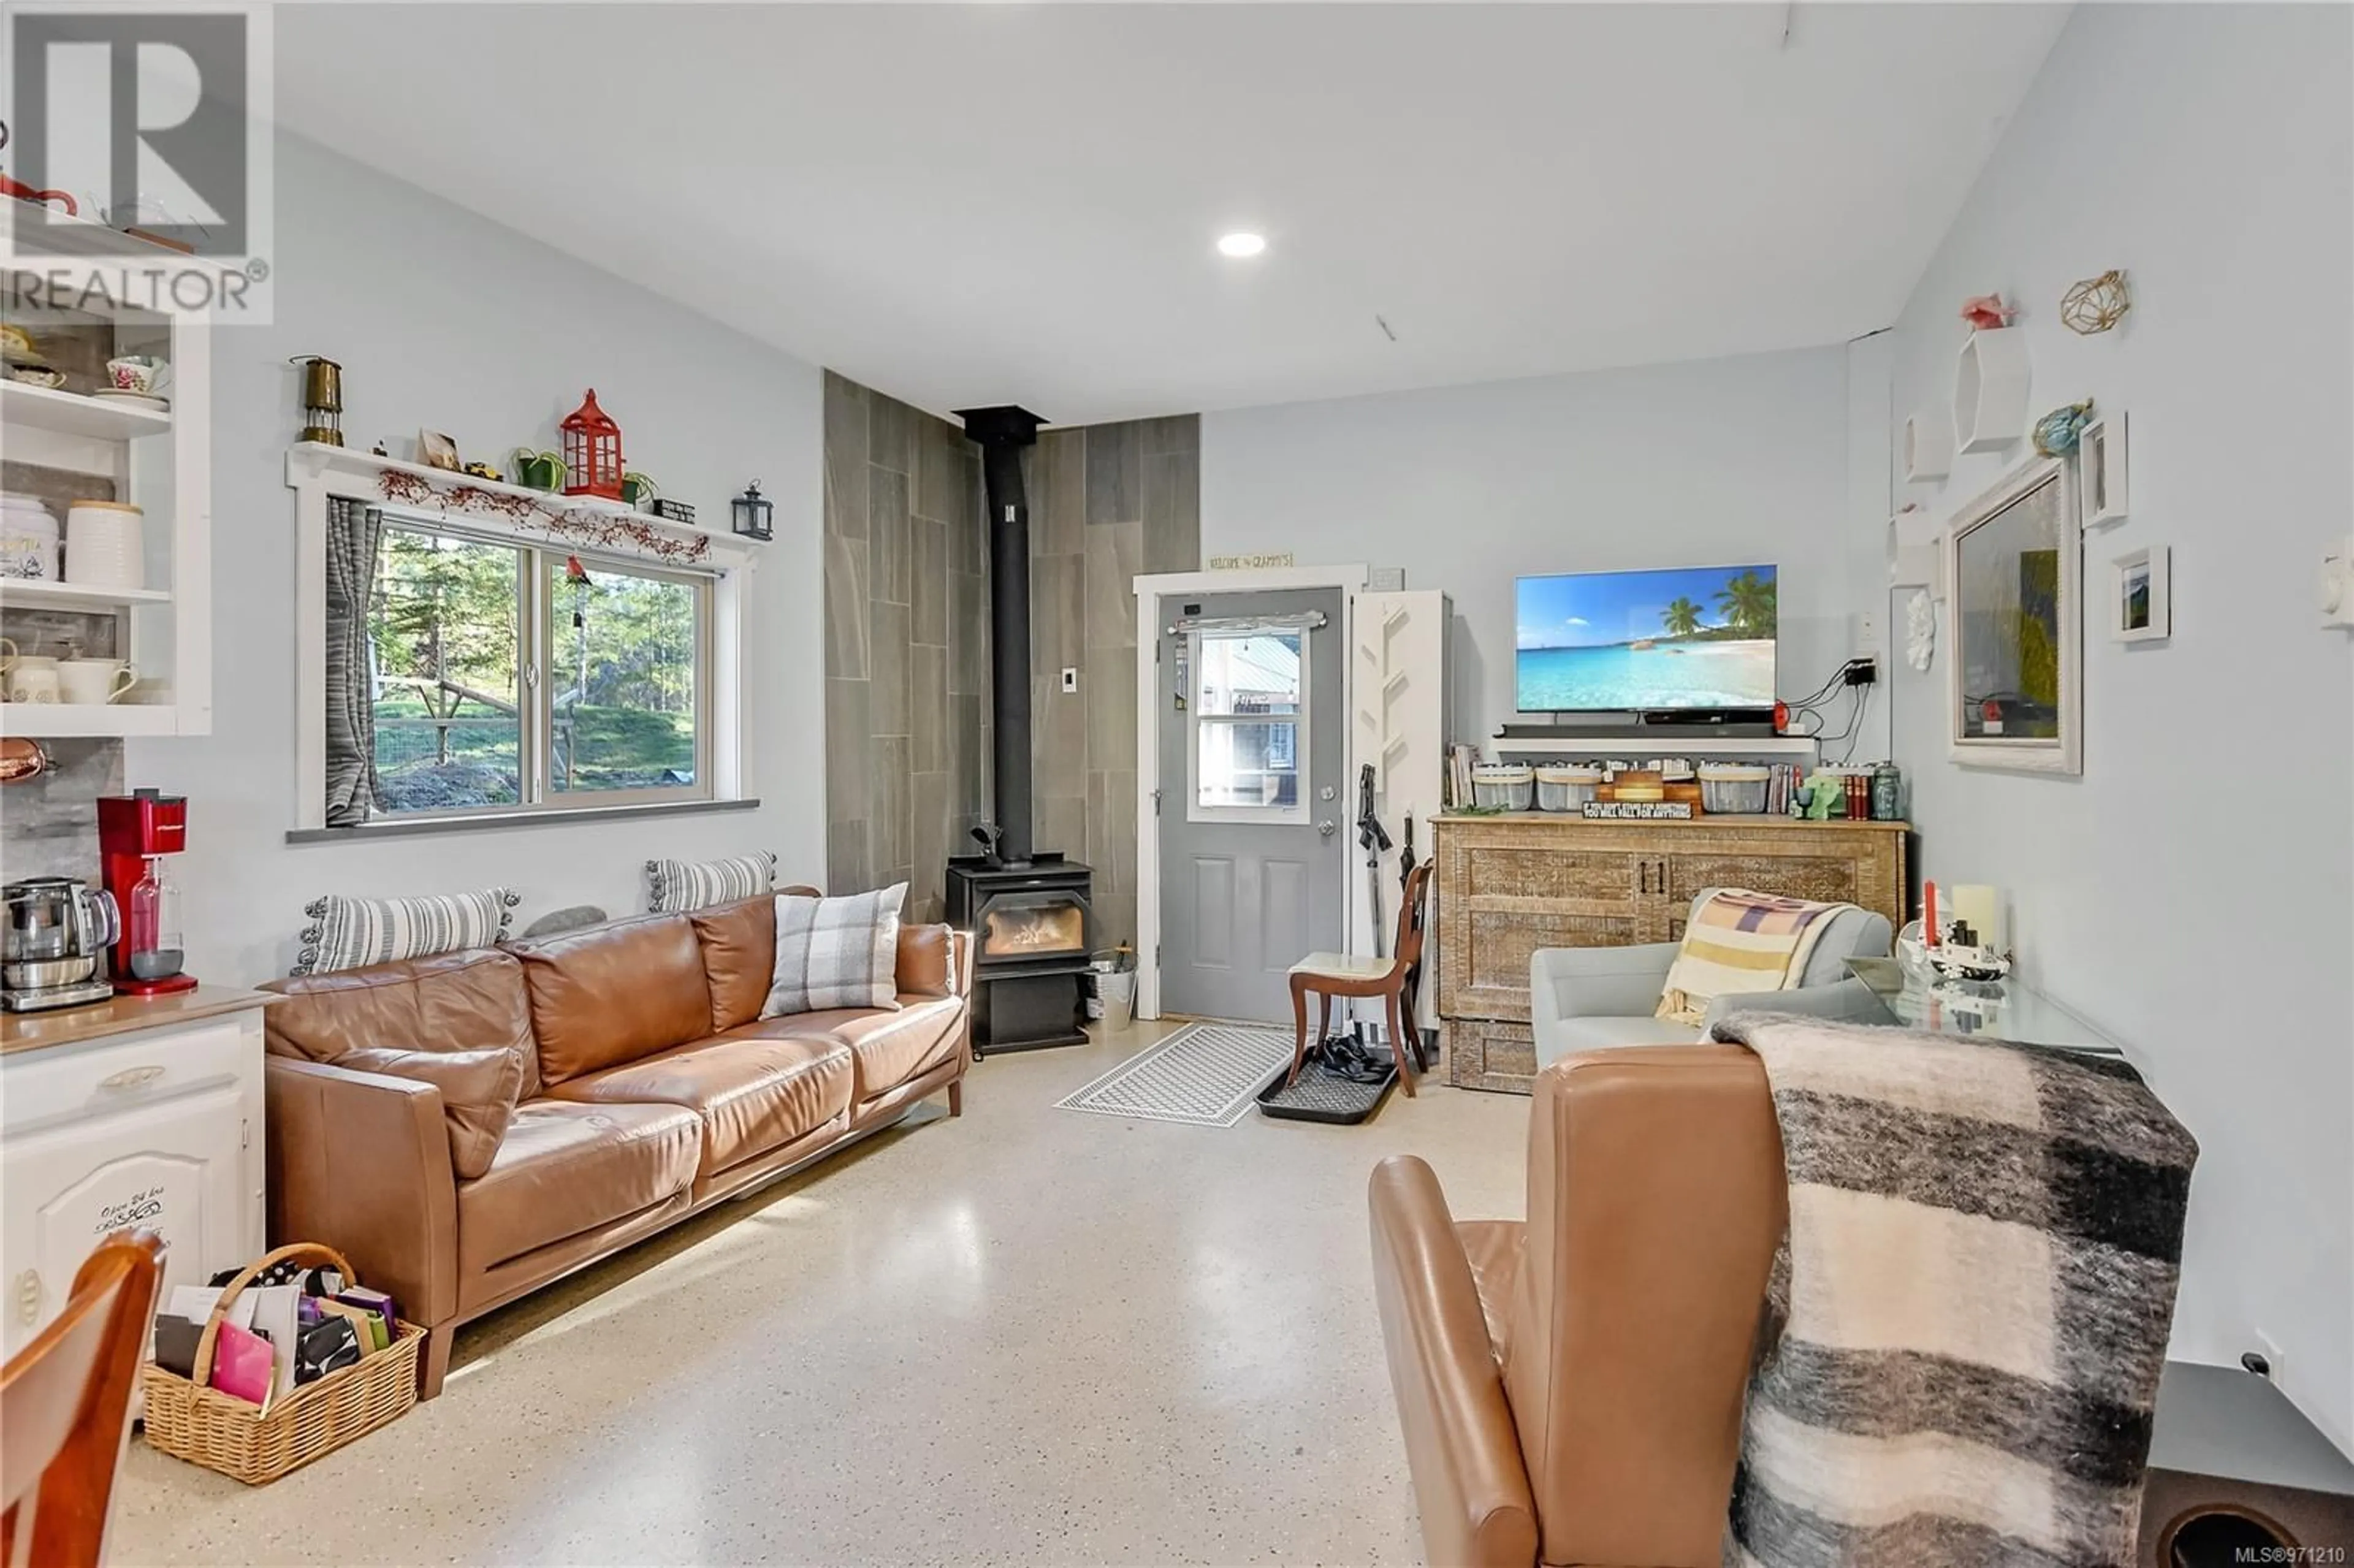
column 1571, row 1387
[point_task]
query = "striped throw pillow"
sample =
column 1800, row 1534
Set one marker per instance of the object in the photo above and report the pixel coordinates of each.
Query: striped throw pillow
column 352, row 933
column 836, row 952
column 674, row 885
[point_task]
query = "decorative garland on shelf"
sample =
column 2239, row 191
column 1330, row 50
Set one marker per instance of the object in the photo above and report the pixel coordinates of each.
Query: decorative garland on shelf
column 578, row 524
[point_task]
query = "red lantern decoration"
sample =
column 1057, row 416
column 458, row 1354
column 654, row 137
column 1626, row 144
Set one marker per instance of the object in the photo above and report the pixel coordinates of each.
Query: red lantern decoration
column 592, row 451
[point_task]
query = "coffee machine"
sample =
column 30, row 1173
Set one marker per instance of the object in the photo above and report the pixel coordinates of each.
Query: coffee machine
column 135, row 832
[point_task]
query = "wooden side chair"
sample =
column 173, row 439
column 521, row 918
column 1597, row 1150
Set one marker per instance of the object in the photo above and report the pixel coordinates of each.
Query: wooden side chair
column 65, row 1407
column 1395, row 979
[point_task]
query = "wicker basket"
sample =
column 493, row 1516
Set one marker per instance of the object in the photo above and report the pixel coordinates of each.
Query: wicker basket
column 189, row 1420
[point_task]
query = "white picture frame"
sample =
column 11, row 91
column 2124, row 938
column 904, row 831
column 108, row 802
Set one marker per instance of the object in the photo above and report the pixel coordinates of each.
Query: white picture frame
column 2141, row 595
column 2022, row 719
column 2101, row 471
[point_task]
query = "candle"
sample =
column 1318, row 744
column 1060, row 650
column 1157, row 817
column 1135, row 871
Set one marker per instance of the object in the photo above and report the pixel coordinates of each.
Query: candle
column 1981, row 908
column 1929, row 914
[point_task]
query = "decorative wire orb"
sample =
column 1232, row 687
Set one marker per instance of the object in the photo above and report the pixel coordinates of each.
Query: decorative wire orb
column 2095, row 304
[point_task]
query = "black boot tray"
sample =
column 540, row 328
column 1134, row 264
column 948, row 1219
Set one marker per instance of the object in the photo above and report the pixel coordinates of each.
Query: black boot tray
column 1323, row 1096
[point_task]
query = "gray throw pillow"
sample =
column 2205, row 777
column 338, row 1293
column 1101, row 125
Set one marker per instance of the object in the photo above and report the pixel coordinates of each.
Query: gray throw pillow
column 352, row 933
column 836, row 952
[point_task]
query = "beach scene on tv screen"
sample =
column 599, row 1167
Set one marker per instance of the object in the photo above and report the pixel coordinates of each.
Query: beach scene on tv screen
column 1690, row 637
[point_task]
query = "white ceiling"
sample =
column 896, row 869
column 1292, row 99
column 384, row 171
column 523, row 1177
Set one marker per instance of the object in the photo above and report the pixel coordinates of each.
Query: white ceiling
column 1018, row 203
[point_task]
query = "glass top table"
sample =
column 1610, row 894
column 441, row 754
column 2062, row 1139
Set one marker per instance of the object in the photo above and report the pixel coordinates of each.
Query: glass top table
column 1986, row 1009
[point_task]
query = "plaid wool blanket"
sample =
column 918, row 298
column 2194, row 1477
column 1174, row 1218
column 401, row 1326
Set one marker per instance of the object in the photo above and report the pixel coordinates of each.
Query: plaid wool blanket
column 1741, row 941
column 1964, row 1325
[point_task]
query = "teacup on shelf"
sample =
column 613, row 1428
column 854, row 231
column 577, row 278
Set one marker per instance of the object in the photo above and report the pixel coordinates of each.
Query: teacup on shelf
column 142, row 374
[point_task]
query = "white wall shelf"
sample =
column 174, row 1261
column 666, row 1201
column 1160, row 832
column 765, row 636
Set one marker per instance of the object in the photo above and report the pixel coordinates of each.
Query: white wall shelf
column 74, row 721
column 1928, row 447
column 1671, row 741
column 23, row 406
column 23, row 593
column 1990, row 381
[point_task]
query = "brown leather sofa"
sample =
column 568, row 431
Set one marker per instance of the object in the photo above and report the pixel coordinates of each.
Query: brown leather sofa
column 1571, row 1387
column 651, row 1089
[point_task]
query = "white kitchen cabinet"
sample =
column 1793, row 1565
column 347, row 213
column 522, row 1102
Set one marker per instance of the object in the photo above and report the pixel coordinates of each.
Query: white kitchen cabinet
column 158, row 1125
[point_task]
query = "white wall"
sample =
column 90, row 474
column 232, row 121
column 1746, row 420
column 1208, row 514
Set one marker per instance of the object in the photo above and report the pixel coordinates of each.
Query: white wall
column 1699, row 465
column 445, row 319
column 2193, row 892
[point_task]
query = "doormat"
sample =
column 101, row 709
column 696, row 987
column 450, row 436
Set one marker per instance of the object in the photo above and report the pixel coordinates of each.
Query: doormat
column 1202, row 1075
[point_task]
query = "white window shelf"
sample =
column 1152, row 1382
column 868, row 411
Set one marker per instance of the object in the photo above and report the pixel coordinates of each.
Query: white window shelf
column 72, row 414
column 23, row 593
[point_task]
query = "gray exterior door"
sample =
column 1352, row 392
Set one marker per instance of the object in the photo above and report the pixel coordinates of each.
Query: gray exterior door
column 1252, row 800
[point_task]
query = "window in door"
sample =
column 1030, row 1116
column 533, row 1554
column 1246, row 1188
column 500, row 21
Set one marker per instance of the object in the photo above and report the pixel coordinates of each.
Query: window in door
column 1248, row 739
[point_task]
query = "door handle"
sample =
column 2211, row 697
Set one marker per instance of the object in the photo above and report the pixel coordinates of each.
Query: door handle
column 1328, row 827
column 1643, row 869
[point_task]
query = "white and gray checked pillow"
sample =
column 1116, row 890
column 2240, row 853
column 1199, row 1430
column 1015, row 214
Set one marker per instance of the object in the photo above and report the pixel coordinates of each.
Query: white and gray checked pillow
column 352, row 933
column 676, row 886
column 836, row 952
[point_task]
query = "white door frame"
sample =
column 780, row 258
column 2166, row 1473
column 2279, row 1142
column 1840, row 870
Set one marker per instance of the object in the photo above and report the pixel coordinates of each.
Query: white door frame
column 1149, row 591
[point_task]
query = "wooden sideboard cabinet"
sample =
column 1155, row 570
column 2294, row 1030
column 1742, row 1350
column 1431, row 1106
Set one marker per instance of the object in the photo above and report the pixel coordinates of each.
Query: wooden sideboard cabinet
column 1508, row 886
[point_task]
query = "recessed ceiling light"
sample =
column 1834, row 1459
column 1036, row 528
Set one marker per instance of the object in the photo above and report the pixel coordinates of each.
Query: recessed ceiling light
column 1241, row 244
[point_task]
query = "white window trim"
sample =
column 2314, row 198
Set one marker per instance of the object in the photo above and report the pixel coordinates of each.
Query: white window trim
column 318, row 474
column 1302, row 719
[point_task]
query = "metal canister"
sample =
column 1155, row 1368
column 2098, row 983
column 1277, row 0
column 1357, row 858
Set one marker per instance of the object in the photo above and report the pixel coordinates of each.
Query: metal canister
column 1887, row 793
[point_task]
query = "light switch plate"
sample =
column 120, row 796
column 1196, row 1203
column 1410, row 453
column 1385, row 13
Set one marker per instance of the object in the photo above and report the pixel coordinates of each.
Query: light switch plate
column 1070, row 677
column 2335, row 595
column 1867, row 634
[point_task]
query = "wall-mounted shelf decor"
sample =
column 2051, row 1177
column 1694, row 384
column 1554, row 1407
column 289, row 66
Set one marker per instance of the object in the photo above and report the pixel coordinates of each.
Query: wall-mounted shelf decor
column 1916, row 551
column 1928, row 447
column 1990, row 382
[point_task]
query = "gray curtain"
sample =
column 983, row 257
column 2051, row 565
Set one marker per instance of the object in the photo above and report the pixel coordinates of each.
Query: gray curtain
column 355, row 534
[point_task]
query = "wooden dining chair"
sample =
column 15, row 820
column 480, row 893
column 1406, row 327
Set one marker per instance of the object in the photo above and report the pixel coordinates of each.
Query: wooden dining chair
column 65, row 1407
column 1396, row 980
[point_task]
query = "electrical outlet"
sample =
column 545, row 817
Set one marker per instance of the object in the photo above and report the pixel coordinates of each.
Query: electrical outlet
column 2271, row 1354
column 1867, row 633
column 1070, row 678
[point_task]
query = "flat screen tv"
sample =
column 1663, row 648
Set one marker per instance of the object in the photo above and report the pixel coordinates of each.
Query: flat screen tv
column 1684, row 637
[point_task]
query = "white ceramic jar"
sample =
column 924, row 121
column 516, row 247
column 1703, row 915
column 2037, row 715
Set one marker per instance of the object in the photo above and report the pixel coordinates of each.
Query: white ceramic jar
column 28, row 539
column 103, row 547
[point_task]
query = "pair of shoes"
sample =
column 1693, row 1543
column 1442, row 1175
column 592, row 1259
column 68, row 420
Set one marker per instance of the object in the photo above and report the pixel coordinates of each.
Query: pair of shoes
column 1343, row 1057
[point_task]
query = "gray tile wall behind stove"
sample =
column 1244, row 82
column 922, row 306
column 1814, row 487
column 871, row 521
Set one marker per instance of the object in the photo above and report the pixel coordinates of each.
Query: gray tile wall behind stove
column 906, row 637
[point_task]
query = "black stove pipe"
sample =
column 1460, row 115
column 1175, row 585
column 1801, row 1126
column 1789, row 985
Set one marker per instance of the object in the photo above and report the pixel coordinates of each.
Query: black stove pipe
column 1002, row 433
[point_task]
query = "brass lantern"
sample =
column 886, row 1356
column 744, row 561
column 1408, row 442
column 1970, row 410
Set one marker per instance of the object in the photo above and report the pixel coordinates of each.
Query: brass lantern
column 322, row 400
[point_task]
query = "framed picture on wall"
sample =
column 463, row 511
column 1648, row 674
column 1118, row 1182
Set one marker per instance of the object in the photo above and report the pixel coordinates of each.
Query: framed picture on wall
column 2013, row 670
column 2141, row 595
column 2101, row 471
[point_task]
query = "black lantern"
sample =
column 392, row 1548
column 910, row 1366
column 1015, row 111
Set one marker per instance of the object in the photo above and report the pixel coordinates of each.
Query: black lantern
column 751, row 511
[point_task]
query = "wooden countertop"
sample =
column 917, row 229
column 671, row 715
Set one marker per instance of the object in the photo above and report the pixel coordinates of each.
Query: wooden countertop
column 1768, row 821
column 123, row 1015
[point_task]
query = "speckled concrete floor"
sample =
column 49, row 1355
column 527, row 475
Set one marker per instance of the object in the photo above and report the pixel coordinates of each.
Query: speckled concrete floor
column 1026, row 1336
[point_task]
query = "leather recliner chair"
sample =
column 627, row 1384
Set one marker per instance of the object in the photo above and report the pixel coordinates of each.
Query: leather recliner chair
column 1571, row 1387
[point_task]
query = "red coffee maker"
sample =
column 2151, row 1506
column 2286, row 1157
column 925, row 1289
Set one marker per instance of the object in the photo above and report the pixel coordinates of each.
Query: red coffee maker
column 135, row 832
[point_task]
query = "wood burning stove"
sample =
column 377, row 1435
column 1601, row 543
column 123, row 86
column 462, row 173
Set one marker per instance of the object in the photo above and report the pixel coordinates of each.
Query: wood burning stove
column 1032, row 929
